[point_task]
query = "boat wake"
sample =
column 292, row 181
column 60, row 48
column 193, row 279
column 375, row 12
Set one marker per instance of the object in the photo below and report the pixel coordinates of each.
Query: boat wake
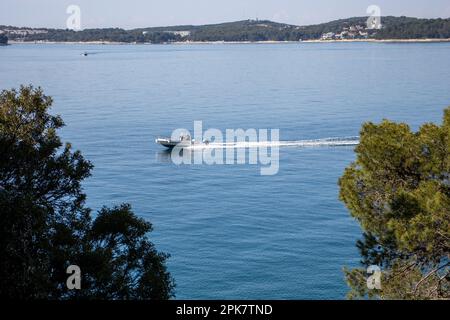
column 326, row 142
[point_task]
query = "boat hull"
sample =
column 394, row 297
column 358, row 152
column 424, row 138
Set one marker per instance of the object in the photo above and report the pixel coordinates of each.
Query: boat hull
column 170, row 144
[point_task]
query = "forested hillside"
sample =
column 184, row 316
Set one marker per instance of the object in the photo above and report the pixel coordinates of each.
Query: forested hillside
column 246, row 30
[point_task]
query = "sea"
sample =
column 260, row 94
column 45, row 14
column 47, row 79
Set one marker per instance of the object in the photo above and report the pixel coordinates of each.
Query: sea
column 232, row 232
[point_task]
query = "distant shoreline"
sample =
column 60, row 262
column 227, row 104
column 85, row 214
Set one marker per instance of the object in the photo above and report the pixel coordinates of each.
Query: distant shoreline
column 235, row 42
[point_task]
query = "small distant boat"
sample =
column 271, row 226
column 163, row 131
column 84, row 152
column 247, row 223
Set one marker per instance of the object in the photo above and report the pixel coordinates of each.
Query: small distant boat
column 183, row 142
column 84, row 54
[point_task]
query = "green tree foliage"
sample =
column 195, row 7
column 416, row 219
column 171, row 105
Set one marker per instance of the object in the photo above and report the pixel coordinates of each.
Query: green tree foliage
column 413, row 28
column 398, row 189
column 3, row 39
column 46, row 226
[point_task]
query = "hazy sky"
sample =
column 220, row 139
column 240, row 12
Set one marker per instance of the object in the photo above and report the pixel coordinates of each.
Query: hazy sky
column 143, row 13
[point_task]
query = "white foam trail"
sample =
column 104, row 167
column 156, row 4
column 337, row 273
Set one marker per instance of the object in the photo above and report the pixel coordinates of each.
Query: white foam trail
column 326, row 142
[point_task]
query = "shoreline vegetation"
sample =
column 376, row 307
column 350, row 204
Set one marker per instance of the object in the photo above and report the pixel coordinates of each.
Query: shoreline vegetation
column 391, row 29
column 430, row 40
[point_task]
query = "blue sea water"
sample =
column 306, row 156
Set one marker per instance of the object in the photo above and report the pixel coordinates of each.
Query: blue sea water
column 233, row 233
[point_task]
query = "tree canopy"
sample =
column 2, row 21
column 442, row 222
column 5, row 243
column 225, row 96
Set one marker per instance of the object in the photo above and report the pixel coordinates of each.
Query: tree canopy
column 3, row 39
column 398, row 189
column 46, row 226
